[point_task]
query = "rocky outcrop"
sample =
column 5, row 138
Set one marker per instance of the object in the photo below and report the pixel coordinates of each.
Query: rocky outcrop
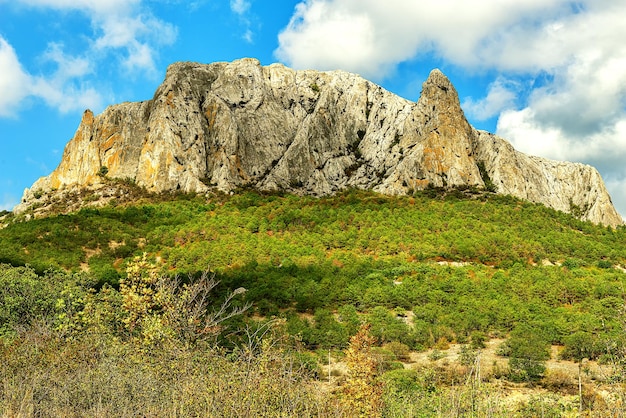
column 227, row 125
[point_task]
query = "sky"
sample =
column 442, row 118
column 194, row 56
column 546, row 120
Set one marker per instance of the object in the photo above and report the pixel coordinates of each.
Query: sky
column 547, row 75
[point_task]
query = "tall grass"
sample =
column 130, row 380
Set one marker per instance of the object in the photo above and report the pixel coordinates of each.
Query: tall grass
column 44, row 375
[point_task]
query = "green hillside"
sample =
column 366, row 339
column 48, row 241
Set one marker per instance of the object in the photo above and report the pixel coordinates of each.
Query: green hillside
column 423, row 271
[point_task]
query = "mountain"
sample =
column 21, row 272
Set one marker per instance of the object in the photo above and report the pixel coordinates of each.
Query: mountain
column 228, row 125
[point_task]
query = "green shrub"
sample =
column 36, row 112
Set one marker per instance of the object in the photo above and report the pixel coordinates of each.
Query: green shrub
column 402, row 381
column 529, row 351
column 399, row 350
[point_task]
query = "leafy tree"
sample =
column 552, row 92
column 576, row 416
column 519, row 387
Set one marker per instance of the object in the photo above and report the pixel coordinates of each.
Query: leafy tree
column 528, row 351
column 24, row 298
column 386, row 327
column 328, row 332
column 362, row 390
column 580, row 346
column 349, row 317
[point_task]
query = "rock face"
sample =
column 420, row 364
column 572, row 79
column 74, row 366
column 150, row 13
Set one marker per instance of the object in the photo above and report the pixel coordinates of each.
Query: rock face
column 226, row 125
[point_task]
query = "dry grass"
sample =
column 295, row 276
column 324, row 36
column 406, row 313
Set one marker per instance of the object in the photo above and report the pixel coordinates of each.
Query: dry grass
column 558, row 390
column 46, row 376
column 98, row 375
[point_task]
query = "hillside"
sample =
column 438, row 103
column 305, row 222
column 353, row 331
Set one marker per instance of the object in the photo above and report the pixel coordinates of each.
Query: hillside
column 442, row 266
column 190, row 232
column 306, row 253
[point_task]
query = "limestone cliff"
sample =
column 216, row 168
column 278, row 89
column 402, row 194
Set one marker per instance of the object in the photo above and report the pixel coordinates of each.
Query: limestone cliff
column 226, row 125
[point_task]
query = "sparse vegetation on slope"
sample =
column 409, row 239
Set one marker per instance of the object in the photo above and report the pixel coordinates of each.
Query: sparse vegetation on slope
column 424, row 272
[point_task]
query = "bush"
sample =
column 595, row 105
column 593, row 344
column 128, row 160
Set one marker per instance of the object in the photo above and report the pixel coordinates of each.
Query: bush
column 44, row 375
column 559, row 381
column 581, row 345
column 399, row 350
column 478, row 339
column 528, row 353
column 401, row 381
column 24, row 297
column 436, row 355
column 385, row 360
column 572, row 263
column 543, row 406
column 159, row 308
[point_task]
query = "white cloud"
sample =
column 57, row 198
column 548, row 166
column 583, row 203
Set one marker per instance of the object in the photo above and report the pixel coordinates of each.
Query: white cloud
column 502, row 94
column 138, row 35
column 119, row 25
column 322, row 37
column 58, row 90
column 580, row 115
column 14, row 82
column 66, row 97
column 242, row 9
column 67, row 66
column 239, row 7
column 604, row 149
column 371, row 36
column 122, row 31
column 103, row 7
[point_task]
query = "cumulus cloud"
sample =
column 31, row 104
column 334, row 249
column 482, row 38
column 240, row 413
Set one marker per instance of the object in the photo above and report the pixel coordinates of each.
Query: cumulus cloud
column 580, row 115
column 605, row 148
column 122, row 32
column 502, row 95
column 371, row 36
column 14, row 83
column 323, row 35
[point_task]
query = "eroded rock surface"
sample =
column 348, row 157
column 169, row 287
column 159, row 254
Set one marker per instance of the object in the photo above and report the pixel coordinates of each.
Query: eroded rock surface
column 227, row 125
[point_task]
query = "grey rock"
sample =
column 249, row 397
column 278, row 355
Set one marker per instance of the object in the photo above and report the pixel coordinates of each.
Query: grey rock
column 227, row 125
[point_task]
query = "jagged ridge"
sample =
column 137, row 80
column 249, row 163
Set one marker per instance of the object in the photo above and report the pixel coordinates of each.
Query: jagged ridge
column 226, row 125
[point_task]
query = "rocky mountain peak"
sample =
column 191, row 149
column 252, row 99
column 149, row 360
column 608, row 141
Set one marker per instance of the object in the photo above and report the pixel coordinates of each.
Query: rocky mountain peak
column 226, row 125
column 438, row 87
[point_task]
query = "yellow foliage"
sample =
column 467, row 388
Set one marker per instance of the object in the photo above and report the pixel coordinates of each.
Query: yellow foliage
column 362, row 391
column 138, row 291
column 161, row 309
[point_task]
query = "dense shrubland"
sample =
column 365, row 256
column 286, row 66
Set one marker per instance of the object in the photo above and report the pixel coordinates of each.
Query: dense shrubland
column 116, row 311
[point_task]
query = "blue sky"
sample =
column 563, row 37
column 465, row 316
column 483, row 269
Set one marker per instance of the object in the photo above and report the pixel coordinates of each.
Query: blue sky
column 547, row 75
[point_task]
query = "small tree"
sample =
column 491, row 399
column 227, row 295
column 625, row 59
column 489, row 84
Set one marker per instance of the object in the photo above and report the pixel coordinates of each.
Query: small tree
column 160, row 308
column 362, row 390
column 138, row 292
column 528, row 352
column 578, row 347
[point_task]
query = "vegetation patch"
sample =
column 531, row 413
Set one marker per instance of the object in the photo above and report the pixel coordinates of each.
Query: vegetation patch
column 304, row 283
